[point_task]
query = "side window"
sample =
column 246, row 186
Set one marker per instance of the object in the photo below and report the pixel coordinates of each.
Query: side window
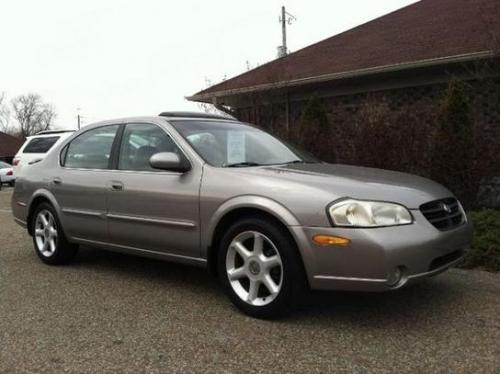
column 92, row 149
column 140, row 142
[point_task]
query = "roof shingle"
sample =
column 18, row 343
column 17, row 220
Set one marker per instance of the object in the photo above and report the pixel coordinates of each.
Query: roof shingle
column 426, row 30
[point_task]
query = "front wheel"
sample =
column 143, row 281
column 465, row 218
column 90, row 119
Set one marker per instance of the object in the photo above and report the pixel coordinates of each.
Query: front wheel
column 260, row 268
column 49, row 241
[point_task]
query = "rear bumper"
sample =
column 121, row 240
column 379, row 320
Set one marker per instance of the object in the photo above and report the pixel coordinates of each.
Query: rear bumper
column 8, row 178
column 19, row 210
column 419, row 249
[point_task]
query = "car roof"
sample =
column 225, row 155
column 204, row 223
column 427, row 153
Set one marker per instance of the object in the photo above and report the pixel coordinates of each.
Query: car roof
column 167, row 116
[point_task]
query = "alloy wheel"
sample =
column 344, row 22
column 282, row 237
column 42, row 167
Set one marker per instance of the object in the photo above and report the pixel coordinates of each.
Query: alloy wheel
column 254, row 268
column 45, row 233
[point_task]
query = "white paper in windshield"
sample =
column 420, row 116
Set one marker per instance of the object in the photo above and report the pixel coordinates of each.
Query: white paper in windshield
column 235, row 147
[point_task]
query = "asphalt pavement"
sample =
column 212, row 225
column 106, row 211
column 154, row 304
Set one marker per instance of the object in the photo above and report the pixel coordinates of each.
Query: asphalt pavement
column 114, row 313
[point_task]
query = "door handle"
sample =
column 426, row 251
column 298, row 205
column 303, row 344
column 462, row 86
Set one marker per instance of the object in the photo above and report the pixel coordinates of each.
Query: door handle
column 117, row 186
column 57, row 180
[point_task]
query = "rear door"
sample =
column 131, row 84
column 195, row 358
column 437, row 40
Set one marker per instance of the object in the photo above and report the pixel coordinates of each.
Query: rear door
column 149, row 209
column 80, row 185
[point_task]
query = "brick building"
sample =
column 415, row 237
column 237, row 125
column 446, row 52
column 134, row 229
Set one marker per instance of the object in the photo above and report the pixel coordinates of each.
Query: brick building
column 405, row 58
column 9, row 145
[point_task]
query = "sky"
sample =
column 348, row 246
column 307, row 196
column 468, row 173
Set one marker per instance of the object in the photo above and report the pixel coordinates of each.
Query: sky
column 108, row 58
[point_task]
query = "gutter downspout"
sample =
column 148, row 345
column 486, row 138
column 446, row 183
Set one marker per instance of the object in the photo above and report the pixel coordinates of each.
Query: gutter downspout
column 287, row 114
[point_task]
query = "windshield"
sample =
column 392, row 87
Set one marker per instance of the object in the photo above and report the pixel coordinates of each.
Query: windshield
column 4, row 165
column 233, row 144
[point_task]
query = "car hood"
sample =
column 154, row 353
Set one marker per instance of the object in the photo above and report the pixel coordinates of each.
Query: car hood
column 358, row 182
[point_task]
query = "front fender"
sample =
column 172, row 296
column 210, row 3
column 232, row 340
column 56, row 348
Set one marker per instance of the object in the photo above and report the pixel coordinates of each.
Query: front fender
column 266, row 204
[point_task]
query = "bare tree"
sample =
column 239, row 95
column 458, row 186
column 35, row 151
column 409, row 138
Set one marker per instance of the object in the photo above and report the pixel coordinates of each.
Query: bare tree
column 32, row 114
column 48, row 116
column 4, row 114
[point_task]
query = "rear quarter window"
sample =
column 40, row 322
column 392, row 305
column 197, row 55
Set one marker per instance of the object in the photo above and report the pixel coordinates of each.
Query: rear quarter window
column 40, row 145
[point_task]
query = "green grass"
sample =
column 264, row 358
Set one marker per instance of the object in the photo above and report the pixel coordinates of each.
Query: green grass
column 485, row 251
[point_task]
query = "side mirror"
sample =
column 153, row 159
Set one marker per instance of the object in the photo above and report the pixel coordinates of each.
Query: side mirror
column 169, row 161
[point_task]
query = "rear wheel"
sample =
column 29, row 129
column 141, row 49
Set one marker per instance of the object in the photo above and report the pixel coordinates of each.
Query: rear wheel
column 49, row 241
column 260, row 268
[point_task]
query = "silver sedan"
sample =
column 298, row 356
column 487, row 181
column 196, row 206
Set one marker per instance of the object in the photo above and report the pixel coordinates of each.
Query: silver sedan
column 268, row 219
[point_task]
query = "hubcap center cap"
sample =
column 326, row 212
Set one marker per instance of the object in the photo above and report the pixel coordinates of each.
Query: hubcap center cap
column 254, row 267
column 47, row 233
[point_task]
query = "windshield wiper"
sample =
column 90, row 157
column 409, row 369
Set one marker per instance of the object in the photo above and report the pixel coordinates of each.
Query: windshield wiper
column 242, row 164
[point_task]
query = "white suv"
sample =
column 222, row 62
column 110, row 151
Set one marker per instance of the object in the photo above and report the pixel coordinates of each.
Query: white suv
column 36, row 147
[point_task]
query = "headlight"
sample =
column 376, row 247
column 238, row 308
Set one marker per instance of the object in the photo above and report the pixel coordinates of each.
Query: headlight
column 358, row 213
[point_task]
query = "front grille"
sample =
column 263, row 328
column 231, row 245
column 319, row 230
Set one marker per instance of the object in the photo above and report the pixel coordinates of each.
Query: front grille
column 444, row 214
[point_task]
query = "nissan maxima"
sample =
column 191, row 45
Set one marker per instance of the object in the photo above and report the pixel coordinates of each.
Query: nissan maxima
column 269, row 220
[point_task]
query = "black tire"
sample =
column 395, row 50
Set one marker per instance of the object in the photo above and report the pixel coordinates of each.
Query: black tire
column 63, row 251
column 293, row 281
column 12, row 184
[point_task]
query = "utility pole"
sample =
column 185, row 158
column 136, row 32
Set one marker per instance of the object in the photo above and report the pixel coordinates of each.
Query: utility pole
column 78, row 118
column 283, row 31
column 284, row 19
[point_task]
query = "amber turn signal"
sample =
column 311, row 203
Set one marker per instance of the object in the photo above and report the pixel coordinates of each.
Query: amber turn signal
column 330, row 240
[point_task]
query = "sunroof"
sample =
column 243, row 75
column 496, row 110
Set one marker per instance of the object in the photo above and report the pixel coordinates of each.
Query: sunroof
column 195, row 115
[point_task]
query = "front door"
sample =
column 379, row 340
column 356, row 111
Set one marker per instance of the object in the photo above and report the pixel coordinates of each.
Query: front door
column 149, row 209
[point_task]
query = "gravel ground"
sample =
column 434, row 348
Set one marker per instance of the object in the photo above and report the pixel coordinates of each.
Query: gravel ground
column 115, row 313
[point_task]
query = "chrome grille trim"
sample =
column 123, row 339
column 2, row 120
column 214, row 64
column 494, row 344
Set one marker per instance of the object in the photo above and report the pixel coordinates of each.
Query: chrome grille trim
column 444, row 214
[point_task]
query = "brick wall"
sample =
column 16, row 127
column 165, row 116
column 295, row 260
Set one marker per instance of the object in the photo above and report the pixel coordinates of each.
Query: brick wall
column 422, row 102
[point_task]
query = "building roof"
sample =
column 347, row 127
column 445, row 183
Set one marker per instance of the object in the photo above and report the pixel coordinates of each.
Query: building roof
column 9, row 145
column 429, row 32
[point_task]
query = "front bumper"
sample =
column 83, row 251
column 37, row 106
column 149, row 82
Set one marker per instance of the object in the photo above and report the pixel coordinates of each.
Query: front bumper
column 419, row 249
